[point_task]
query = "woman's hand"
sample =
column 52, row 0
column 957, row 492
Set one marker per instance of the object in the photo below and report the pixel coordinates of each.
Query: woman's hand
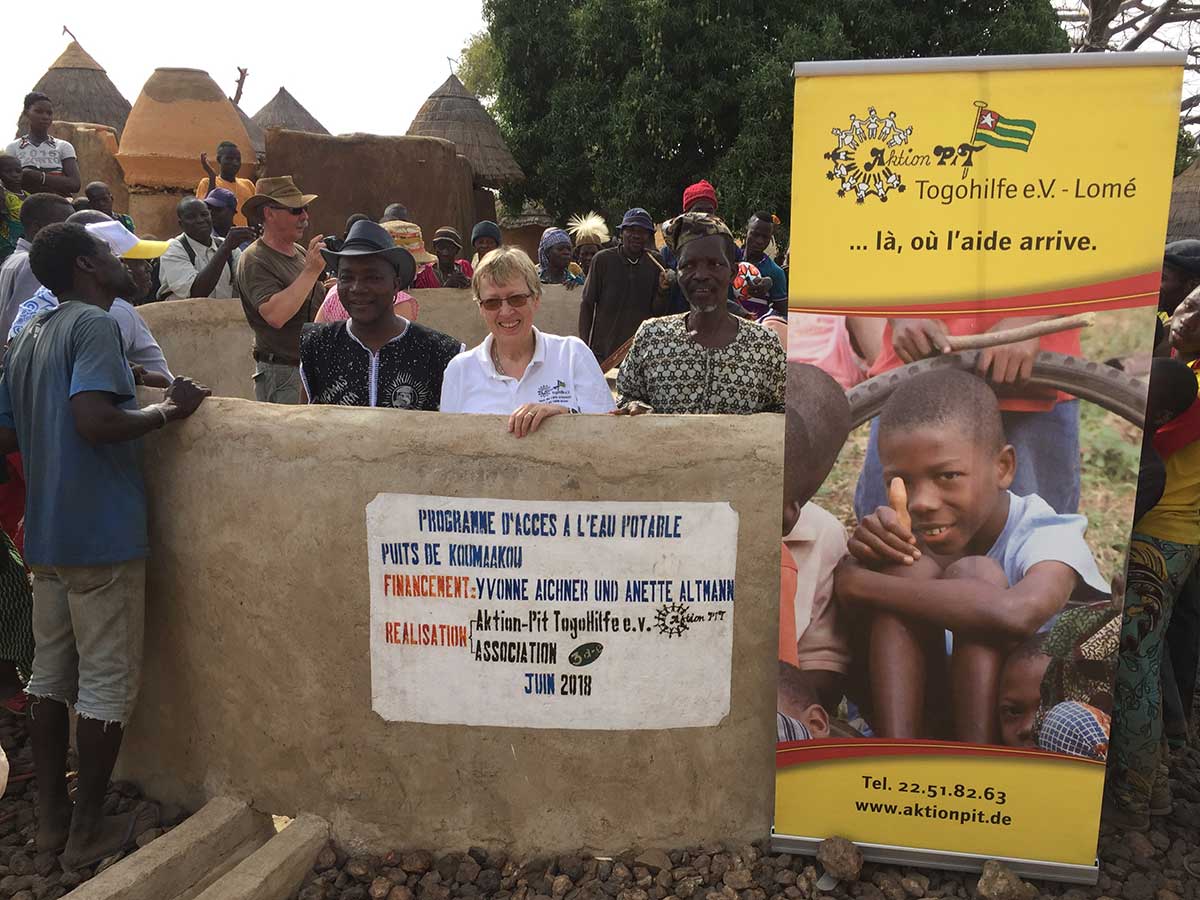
column 529, row 416
column 633, row 408
column 32, row 179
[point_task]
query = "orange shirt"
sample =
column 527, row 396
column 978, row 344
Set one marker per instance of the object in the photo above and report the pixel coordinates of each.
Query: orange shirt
column 243, row 189
column 1032, row 401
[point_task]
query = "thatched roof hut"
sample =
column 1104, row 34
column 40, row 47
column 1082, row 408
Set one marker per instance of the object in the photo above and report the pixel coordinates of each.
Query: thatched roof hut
column 454, row 113
column 285, row 111
column 258, row 137
column 1184, row 219
column 81, row 92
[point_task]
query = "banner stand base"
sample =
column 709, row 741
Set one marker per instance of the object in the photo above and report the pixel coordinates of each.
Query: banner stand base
column 941, row 859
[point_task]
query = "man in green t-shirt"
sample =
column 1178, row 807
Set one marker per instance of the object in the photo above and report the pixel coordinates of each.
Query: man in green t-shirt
column 279, row 283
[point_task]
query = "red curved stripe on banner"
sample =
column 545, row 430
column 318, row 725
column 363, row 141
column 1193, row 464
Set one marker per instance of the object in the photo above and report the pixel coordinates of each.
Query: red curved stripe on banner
column 797, row 753
column 1138, row 290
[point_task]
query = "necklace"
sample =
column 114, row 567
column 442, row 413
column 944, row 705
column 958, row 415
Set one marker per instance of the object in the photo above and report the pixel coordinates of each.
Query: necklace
column 496, row 360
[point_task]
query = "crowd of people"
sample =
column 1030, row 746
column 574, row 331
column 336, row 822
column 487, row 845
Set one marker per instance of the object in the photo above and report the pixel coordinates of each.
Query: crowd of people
column 980, row 613
column 696, row 328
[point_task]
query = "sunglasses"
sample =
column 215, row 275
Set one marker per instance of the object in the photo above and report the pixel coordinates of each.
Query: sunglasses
column 294, row 210
column 516, row 301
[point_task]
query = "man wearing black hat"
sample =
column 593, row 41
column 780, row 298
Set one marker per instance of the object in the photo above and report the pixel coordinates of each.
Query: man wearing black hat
column 1180, row 276
column 375, row 358
column 625, row 286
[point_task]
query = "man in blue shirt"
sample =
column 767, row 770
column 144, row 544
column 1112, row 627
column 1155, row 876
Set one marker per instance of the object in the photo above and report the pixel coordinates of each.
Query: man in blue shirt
column 67, row 402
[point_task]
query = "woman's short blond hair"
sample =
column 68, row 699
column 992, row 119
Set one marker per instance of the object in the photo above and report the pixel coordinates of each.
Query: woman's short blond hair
column 506, row 263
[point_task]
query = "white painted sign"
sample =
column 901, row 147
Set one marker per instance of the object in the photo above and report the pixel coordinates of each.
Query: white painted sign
column 548, row 614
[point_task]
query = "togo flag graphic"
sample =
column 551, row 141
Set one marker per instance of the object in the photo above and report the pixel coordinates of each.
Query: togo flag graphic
column 1011, row 134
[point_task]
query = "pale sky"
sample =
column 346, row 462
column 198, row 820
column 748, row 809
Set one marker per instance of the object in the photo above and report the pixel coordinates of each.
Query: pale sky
column 366, row 66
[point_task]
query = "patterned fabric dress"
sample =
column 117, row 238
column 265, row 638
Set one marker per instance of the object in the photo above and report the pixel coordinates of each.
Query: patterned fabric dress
column 1137, row 754
column 10, row 224
column 1076, row 691
column 405, row 374
column 16, row 610
column 672, row 373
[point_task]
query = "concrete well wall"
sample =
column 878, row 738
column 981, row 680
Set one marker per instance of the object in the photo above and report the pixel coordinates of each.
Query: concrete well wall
column 257, row 679
column 210, row 341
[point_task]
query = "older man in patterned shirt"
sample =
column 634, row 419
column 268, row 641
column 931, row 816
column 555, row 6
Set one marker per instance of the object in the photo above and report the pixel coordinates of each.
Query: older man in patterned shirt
column 705, row 360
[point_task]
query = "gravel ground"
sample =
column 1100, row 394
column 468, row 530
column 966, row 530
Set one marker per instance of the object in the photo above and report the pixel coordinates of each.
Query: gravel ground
column 1155, row 866
column 1163, row 864
column 24, row 873
column 1148, row 867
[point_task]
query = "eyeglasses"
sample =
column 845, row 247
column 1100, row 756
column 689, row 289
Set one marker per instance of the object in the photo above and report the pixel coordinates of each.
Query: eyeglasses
column 516, row 301
column 294, row 210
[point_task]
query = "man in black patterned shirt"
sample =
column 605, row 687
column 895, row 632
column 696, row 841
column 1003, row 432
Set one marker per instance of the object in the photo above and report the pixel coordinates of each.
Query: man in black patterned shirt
column 375, row 358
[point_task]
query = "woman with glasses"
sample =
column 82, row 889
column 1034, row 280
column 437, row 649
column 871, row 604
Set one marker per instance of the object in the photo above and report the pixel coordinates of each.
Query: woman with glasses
column 518, row 371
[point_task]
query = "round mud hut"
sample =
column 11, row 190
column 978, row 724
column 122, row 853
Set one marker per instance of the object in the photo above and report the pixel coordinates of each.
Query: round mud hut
column 179, row 114
column 454, row 113
column 81, row 92
column 285, row 111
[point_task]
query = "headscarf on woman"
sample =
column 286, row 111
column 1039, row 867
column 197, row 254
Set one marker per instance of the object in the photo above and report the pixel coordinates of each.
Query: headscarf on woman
column 556, row 237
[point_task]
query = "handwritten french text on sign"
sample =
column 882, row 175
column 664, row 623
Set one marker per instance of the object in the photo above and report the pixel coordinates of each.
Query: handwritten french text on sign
column 547, row 614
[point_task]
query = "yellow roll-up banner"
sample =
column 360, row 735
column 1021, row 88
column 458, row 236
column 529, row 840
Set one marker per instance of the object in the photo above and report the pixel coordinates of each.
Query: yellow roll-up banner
column 949, row 634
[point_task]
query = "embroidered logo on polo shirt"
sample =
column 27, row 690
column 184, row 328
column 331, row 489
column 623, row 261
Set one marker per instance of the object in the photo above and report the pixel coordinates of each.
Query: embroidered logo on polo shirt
column 554, row 393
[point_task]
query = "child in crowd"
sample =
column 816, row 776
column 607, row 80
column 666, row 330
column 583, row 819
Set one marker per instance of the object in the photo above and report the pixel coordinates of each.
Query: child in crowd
column 1163, row 550
column 800, row 715
column 1073, row 663
column 962, row 570
column 813, row 651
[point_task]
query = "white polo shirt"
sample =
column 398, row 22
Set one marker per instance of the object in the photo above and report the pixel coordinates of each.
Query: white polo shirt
column 563, row 371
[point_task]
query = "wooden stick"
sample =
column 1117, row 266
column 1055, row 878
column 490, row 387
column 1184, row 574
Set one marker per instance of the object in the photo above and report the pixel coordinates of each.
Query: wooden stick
column 617, row 357
column 1023, row 333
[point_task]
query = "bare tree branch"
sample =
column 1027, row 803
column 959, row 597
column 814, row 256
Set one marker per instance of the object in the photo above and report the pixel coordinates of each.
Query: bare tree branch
column 1151, row 25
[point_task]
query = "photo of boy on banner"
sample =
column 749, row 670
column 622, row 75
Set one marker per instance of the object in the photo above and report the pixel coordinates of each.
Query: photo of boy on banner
column 963, row 605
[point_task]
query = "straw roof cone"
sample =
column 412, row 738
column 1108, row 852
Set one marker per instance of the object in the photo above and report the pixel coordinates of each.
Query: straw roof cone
column 180, row 114
column 1183, row 220
column 284, row 111
column 455, row 114
column 258, row 137
column 81, row 92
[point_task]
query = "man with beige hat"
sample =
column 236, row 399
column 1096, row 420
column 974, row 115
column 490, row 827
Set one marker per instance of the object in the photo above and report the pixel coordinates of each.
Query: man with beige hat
column 279, row 283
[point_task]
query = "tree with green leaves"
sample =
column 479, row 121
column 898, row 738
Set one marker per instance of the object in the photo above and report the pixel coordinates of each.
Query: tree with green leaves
column 608, row 104
column 477, row 67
